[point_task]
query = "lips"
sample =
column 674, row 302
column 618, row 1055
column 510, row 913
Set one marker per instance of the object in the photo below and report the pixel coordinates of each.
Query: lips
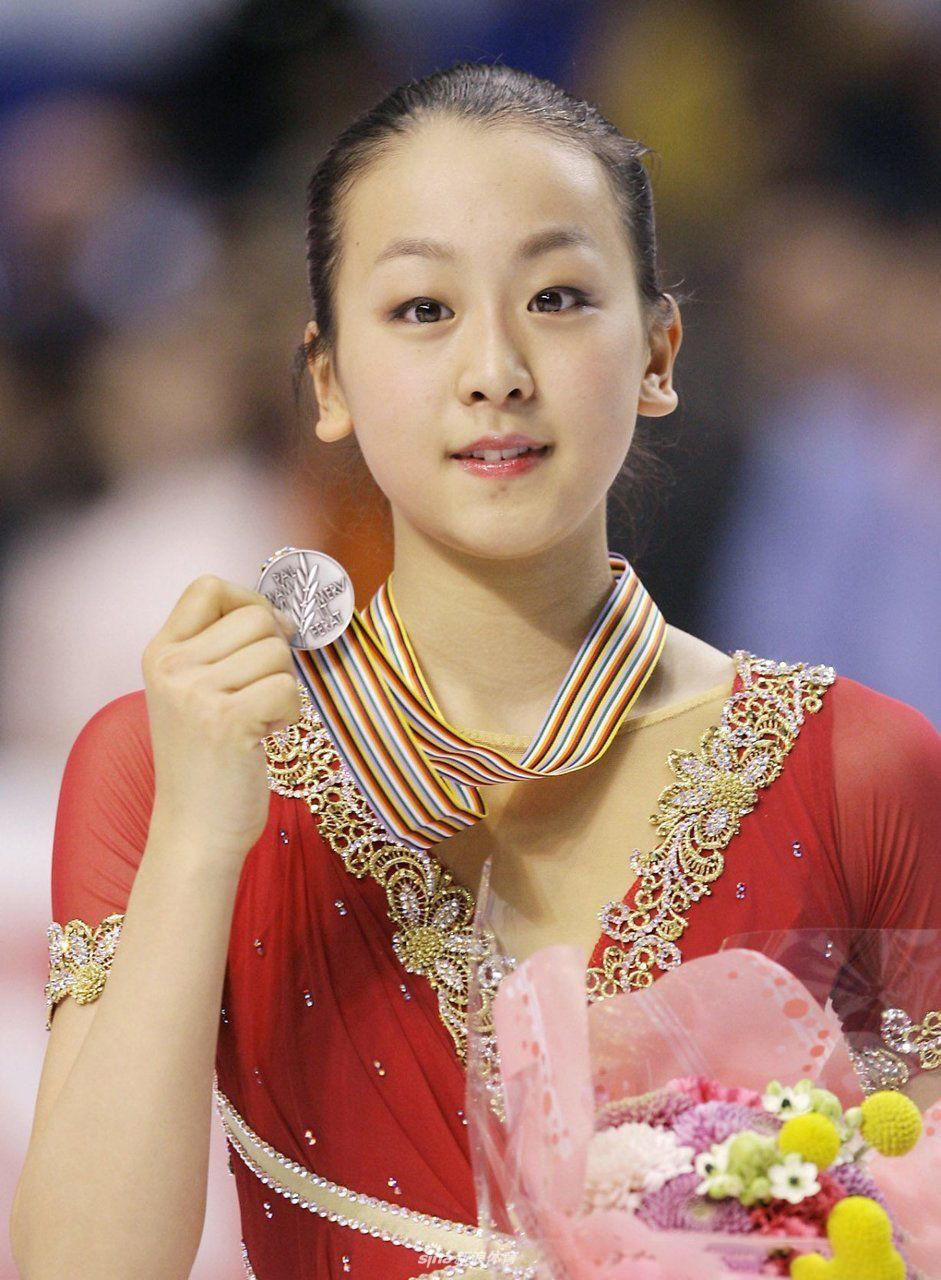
column 494, row 465
column 495, row 444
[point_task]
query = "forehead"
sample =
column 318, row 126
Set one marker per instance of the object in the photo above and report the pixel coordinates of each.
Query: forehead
column 478, row 188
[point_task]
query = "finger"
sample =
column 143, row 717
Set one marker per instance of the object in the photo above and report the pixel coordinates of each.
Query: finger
column 206, row 600
column 263, row 657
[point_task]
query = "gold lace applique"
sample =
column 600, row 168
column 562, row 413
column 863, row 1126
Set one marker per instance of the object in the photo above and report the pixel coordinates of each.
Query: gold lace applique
column 432, row 913
column 696, row 818
column 79, row 960
column 698, row 815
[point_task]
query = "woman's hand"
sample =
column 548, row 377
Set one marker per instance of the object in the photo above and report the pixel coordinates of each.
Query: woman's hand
column 219, row 677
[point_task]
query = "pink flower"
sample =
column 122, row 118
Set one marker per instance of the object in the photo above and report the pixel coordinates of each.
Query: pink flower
column 702, row 1089
column 660, row 1107
column 706, row 1123
column 854, row 1180
column 676, row 1207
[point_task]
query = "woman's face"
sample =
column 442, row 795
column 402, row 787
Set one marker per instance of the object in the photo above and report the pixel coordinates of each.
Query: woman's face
column 477, row 338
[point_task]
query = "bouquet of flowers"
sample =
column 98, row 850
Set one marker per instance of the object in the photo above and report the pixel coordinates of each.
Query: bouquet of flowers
column 714, row 1124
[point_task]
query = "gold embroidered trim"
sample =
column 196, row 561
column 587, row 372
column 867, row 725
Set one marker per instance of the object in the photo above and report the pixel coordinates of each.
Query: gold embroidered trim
column 79, row 960
column 696, row 818
column 434, row 936
column 698, row 815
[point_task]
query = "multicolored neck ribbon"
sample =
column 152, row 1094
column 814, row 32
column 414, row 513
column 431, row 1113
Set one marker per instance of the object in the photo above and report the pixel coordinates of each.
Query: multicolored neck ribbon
column 421, row 776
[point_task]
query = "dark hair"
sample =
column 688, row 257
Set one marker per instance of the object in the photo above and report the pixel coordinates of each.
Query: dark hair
column 489, row 95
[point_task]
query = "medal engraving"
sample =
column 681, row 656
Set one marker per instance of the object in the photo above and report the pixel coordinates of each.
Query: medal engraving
column 313, row 589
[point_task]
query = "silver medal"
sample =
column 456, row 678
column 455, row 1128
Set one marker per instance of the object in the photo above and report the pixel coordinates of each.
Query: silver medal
column 313, row 589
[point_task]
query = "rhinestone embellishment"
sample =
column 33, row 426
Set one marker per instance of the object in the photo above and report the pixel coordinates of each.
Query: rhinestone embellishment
column 80, row 958
column 456, row 1242
column 879, row 1069
column 698, row 815
column 903, row 1035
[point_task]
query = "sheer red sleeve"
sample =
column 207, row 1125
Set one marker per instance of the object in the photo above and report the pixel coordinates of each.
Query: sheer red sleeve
column 887, row 776
column 102, row 822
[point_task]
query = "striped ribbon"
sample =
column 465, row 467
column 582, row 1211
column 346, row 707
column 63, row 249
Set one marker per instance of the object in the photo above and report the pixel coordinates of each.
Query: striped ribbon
column 420, row 776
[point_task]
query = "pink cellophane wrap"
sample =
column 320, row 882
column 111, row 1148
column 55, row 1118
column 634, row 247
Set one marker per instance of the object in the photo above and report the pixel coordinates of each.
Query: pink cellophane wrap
column 737, row 1017
column 912, row 1186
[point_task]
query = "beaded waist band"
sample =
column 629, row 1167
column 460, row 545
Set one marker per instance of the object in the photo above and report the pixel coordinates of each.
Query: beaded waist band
column 470, row 1252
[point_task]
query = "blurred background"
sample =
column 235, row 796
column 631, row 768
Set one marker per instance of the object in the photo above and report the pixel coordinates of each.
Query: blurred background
column 153, row 164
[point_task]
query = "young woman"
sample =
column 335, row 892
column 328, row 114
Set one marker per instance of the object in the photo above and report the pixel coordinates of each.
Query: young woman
column 484, row 275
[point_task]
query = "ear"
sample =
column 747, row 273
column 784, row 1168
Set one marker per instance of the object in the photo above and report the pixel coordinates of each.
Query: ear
column 333, row 420
column 657, row 397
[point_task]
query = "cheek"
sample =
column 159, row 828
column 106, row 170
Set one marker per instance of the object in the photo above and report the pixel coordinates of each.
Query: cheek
column 605, row 364
column 385, row 398
column 593, row 394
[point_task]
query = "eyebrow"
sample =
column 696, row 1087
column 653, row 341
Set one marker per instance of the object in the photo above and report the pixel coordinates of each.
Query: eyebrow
column 541, row 242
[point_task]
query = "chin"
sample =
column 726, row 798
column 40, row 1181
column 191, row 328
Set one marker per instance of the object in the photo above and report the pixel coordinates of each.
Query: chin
column 500, row 539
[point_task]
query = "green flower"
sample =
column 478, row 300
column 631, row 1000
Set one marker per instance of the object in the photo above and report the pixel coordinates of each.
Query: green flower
column 826, row 1104
column 751, row 1154
column 722, row 1186
column 759, row 1189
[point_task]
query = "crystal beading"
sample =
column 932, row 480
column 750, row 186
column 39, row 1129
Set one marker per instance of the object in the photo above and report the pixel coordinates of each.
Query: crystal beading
column 457, row 1242
column 923, row 1038
column 879, row 1069
column 80, row 959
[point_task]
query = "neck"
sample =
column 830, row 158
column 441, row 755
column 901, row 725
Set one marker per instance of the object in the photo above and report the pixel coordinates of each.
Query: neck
column 494, row 638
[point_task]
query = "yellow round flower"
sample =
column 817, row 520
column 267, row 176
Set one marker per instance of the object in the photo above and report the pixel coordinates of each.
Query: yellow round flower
column 813, row 1137
column 860, row 1234
column 891, row 1122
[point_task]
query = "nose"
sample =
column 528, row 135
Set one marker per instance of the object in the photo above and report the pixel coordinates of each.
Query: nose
column 493, row 367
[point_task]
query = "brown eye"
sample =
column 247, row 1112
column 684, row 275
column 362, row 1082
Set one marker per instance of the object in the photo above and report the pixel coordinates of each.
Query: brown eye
column 421, row 306
column 580, row 299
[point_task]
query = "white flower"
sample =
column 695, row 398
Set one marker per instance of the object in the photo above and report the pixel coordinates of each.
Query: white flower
column 786, row 1102
column 712, row 1166
column 628, row 1160
column 714, row 1161
column 793, row 1180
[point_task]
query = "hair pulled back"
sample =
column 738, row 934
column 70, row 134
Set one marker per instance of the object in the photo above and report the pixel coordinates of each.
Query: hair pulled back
column 490, row 95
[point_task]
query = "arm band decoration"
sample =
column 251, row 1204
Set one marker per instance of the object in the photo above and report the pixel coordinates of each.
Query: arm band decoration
column 79, row 960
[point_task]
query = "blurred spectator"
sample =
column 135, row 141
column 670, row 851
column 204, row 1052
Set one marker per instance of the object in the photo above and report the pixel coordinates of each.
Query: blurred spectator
column 162, row 404
column 829, row 550
column 118, row 36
